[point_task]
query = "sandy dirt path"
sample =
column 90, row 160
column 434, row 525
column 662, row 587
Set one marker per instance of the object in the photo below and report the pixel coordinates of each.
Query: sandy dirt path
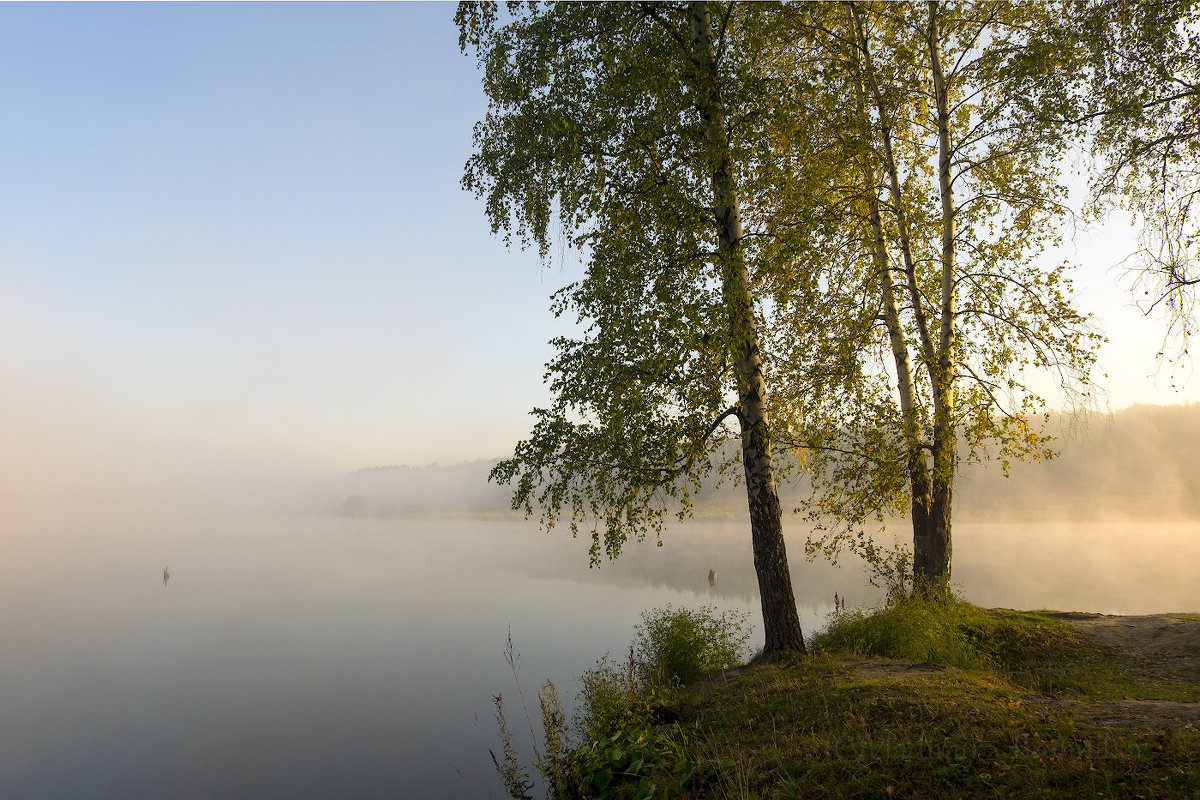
column 1165, row 646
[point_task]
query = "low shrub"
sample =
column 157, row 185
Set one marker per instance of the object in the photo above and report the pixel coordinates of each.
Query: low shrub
column 677, row 646
column 610, row 699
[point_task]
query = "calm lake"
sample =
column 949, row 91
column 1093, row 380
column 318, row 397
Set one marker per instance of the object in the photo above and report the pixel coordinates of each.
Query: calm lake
column 357, row 658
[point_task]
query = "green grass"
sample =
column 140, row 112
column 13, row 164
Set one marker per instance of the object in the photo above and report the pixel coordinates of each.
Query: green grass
column 923, row 700
column 820, row 729
column 1037, row 650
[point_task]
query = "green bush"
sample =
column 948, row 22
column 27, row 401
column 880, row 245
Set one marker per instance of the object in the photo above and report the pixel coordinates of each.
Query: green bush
column 677, row 646
column 610, row 699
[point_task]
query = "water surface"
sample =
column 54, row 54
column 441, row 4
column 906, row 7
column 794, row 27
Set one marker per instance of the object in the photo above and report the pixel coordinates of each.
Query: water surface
column 358, row 658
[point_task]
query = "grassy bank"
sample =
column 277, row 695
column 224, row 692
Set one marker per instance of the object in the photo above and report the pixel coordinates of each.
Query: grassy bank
column 916, row 700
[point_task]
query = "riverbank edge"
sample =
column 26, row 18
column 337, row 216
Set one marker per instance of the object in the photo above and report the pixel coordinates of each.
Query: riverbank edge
column 983, row 703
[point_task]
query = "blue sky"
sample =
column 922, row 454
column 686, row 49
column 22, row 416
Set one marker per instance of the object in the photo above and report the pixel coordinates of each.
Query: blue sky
column 238, row 228
column 242, row 225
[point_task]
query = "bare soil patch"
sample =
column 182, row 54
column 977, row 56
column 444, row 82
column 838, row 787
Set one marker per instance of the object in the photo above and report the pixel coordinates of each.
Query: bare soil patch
column 1167, row 643
column 1159, row 714
column 1167, row 649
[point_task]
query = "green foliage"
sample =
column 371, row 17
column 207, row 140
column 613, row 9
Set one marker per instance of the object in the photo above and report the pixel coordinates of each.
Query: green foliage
column 677, row 646
column 672, row 647
column 610, row 699
column 929, row 264
column 632, row 763
column 890, row 568
column 591, row 125
column 628, row 751
column 559, row 771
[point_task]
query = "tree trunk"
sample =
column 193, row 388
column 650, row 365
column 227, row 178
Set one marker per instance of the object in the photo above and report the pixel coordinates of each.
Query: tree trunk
column 932, row 550
column 781, row 622
column 937, row 542
column 917, row 469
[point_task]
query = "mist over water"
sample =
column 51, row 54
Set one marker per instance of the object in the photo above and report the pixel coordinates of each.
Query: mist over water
column 296, row 651
column 322, row 656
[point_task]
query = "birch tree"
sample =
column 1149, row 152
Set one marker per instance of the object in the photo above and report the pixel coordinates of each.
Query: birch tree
column 629, row 132
column 941, row 308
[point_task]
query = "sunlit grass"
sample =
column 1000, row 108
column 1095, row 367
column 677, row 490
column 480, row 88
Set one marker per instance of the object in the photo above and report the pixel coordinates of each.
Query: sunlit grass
column 822, row 729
